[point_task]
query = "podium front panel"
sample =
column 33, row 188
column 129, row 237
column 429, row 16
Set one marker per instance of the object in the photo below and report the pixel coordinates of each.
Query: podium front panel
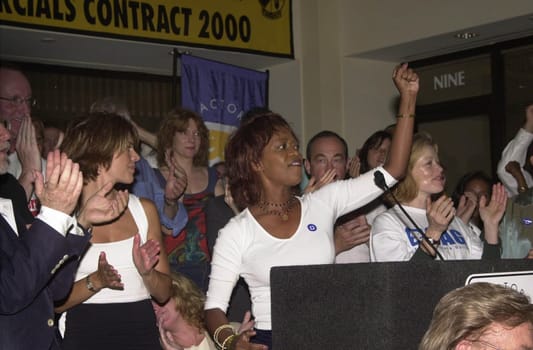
column 365, row 306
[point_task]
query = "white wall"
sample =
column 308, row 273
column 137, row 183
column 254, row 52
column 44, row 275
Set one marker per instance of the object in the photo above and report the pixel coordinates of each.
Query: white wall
column 382, row 23
column 285, row 93
column 354, row 96
column 369, row 99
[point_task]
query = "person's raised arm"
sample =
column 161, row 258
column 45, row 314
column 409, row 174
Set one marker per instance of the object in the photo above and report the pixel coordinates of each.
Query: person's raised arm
column 406, row 81
column 516, row 150
column 528, row 125
column 174, row 189
column 145, row 136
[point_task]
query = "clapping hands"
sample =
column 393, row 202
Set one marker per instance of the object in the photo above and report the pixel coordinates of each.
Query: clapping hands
column 145, row 256
column 354, row 166
column 102, row 207
column 439, row 214
column 314, row 184
column 466, row 207
column 177, row 179
column 106, row 275
column 352, row 233
column 64, row 182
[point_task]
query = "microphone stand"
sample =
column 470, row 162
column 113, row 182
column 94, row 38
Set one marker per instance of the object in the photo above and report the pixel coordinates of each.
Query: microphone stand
column 379, row 180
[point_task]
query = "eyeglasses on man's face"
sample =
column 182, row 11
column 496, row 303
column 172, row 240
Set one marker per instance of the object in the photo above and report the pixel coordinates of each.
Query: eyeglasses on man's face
column 19, row 101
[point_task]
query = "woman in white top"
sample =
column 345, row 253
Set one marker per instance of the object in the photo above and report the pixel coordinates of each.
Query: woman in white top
column 277, row 228
column 395, row 238
column 110, row 303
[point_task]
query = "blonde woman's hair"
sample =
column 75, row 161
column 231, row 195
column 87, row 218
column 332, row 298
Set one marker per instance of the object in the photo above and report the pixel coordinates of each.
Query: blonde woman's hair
column 406, row 190
column 189, row 300
column 467, row 312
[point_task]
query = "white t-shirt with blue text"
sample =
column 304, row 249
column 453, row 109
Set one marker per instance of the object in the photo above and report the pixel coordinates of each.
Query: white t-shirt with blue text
column 394, row 237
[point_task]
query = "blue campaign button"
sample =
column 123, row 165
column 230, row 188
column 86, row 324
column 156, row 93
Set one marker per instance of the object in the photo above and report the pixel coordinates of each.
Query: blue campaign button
column 527, row 221
column 311, row 227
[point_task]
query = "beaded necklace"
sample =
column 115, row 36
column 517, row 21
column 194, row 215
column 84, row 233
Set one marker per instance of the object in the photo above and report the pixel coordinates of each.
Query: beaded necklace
column 280, row 209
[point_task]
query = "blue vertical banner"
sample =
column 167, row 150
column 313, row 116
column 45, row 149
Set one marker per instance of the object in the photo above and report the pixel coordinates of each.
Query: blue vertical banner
column 221, row 94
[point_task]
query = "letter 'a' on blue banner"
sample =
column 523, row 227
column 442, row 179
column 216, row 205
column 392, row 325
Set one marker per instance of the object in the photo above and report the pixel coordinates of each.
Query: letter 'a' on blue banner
column 221, row 94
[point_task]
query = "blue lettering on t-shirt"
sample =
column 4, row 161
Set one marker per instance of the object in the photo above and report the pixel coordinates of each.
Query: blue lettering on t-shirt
column 411, row 237
column 458, row 237
column 450, row 237
column 446, row 239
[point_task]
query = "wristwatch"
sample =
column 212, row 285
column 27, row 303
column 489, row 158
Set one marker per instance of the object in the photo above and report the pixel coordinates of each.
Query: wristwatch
column 434, row 241
column 90, row 285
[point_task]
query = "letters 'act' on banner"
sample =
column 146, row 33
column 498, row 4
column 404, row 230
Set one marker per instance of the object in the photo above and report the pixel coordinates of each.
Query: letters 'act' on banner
column 221, row 94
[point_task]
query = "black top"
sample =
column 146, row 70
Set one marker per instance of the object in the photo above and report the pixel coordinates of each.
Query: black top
column 10, row 188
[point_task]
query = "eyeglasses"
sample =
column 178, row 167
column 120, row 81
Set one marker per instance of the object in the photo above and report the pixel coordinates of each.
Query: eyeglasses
column 19, row 101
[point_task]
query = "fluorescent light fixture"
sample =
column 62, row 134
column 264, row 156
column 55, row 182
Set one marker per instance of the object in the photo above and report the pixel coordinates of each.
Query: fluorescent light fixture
column 466, row 35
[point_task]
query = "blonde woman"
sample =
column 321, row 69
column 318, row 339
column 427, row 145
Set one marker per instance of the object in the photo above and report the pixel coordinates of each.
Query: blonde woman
column 395, row 238
column 181, row 320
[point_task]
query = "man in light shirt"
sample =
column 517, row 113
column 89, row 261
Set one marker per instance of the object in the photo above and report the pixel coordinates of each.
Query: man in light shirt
column 16, row 102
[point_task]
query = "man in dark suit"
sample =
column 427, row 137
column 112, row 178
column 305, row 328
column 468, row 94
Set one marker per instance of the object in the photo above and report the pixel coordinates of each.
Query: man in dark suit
column 37, row 262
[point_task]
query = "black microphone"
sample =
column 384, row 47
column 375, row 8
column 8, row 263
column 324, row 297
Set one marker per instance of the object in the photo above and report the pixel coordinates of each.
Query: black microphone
column 379, row 180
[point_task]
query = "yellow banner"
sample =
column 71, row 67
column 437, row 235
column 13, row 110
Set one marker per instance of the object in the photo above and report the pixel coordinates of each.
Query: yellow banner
column 256, row 26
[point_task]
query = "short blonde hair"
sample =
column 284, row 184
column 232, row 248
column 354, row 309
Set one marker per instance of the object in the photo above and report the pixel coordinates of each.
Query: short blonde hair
column 406, row 190
column 189, row 300
column 467, row 312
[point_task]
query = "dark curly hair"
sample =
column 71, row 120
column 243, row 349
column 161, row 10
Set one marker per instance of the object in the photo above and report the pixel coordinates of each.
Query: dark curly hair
column 243, row 150
column 374, row 141
column 465, row 179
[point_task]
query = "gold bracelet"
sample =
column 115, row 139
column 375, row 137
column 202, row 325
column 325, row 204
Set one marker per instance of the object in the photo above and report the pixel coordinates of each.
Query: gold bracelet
column 217, row 333
column 226, row 344
column 405, row 116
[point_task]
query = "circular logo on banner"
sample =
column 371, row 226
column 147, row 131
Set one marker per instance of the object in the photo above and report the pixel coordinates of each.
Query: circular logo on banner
column 272, row 8
column 311, row 227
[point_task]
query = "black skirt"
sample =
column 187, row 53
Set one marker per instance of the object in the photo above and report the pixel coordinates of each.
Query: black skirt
column 111, row 326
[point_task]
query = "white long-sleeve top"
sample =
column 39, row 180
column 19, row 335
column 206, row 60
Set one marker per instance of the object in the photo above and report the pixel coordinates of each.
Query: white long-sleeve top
column 515, row 150
column 244, row 248
column 394, row 238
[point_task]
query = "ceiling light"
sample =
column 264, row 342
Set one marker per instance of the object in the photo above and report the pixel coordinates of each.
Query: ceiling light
column 465, row 35
column 180, row 52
